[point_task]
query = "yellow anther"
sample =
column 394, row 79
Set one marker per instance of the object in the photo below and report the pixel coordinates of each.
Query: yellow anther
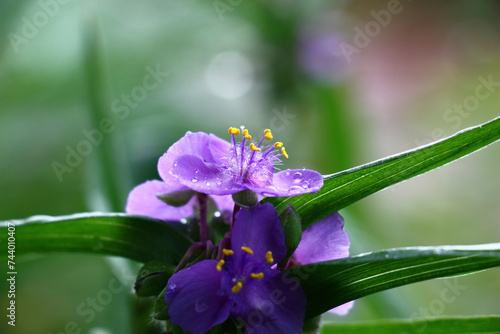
column 257, row 276
column 278, row 144
column 220, row 264
column 227, row 251
column 237, row 287
column 247, row 249
column 269, row 257
column 254, row 148
column 268, row 134
column 284, row 152
column 234, row 131
column 246, row 134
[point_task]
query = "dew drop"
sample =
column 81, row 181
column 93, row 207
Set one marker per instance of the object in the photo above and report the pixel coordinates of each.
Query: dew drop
column 171, row 286
column 305, row 185
column 295, row 190
column 219, row 183
column 200, row 306
column 297, row 177
column 196, row 171
column 287, row 173
column 175, row 163
column 194, row 179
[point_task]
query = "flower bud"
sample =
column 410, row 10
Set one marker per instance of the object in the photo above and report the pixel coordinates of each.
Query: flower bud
column 152, row 278
column 246, row 198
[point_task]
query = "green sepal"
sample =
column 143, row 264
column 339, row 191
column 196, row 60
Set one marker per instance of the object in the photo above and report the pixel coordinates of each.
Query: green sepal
column 152, row 278
column 176, row 198
column 291, row 224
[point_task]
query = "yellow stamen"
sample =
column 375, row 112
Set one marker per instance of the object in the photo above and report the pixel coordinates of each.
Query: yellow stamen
column 234, row 131
column 269, row 257
column 220, row 264
column 284, row 152
column 247, row 249
column 257, row 276
column 246, row 134
column 237, row 287
column 254, row 148
column 227, row 251
column 268, row 134
column 278, row 144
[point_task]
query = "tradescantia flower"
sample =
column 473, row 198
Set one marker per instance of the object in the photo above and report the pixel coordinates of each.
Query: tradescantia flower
column 325, row 240
column 210, row 165
column 207, row 164
column 242, row 283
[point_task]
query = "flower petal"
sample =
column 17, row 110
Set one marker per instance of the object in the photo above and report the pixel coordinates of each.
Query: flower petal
column 323, row 241
column 275, row 304
column 195, row 299
column 204, row 177
column 219, row 148
column 260, row 229
column 342, row 309
column 192, row 143
column 224, row 202
column 292, row 182
column 142, row 201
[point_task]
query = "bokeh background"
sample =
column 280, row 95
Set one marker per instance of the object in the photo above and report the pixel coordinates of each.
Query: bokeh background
column 341, row 83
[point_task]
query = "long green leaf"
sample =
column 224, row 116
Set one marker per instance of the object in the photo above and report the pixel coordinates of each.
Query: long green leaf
column 463, row 325
column 349, row 186
column 137, row 238
column 333, row 283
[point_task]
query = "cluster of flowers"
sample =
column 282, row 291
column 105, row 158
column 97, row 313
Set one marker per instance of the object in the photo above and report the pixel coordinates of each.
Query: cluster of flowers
column 243, row 279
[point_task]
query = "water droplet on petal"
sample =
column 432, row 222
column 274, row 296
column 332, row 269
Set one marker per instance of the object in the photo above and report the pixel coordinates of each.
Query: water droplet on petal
column 208, row 184
column 171, row 286
column 295, row 190
column 219, row 183
column 196, row 171
column 297, row 177
column 287, row 173
column 175, row 163
column 194, row 179
column 200, row 306
column 305, row 185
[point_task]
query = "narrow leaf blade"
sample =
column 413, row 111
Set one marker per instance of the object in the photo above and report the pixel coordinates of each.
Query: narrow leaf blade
column 346, row 187
column 134, row 237
column 333, row 283
column 462, row 325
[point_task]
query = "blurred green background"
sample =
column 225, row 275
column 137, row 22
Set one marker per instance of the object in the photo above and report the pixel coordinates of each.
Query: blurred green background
column 341, row 83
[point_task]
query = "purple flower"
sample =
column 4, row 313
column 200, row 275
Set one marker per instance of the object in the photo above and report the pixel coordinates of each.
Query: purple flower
column 242, row 284
column 210, row 165
column 324, row 241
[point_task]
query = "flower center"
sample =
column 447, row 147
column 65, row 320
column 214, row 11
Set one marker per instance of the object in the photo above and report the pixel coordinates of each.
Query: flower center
column 240, row 280
column 256, row 159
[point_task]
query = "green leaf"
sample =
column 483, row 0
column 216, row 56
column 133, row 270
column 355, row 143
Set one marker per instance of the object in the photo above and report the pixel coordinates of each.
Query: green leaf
column 333, row 283
column 482, row 324
column 134, row 237
column 346, row 187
